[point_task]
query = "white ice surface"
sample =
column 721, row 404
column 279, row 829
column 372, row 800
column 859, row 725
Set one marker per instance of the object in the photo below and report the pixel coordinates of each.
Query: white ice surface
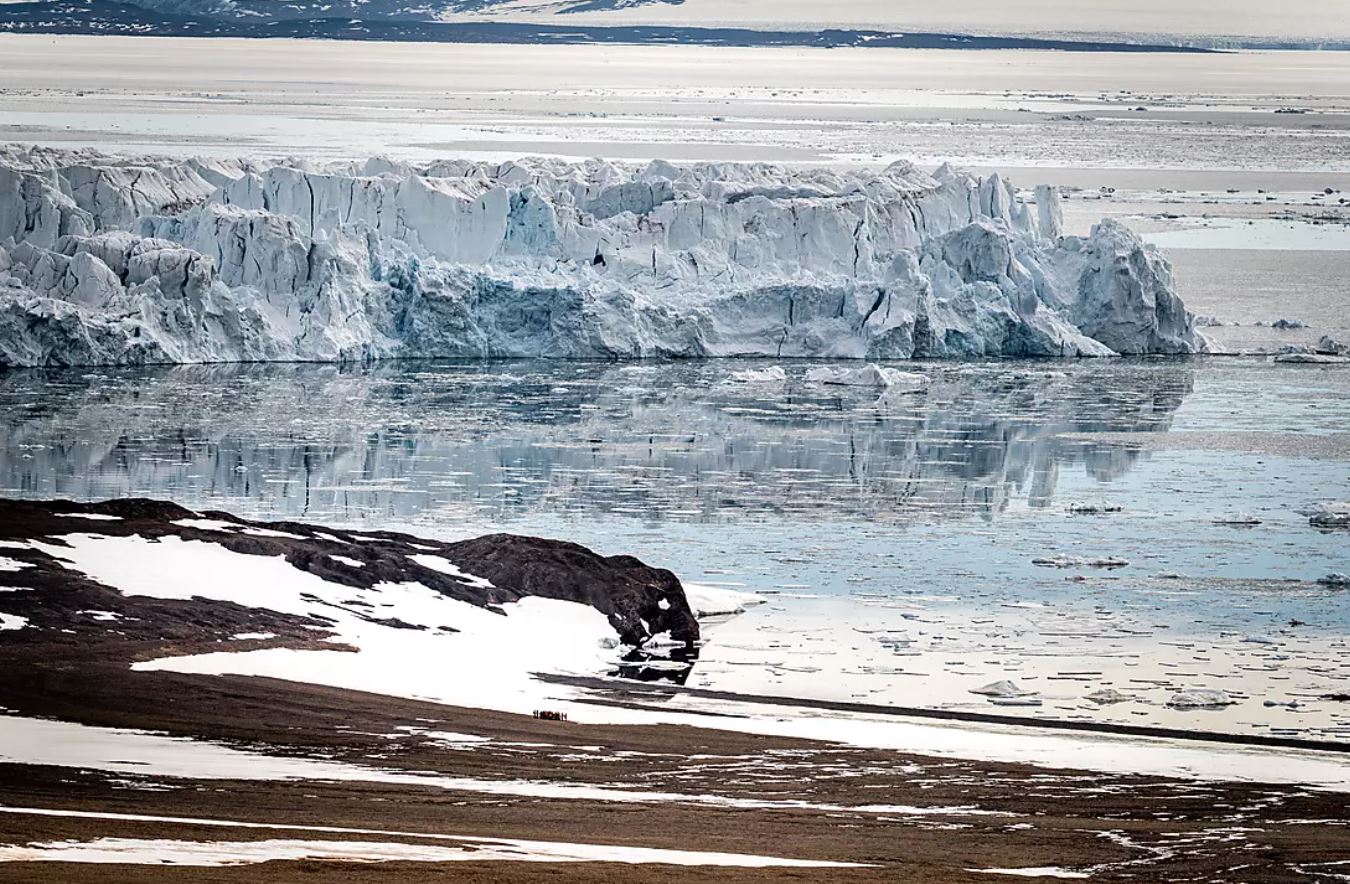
column 867, row 376
column 12, row 621
column 123, row 261
column 708, row 601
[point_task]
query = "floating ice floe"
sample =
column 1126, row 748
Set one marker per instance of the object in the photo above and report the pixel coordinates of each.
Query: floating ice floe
column 868, row 376
column 124, row 261
column 1312, row 359
column 1005, row 689
column 1108, row 696
column 774, row 374
column 1094, row 509
column 1329, row 346
column 1238, row 520
column 1329, row 515
column 10, row 622
column 711, row 601
column 1335, row 578
column 1064, row 561
column 1201, row 698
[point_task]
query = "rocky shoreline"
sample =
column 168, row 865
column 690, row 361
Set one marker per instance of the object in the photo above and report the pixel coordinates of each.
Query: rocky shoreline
column 638, row 601
column 113, row 745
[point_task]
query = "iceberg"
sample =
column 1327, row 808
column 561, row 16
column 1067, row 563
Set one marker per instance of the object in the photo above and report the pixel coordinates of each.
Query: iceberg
column 117, row 260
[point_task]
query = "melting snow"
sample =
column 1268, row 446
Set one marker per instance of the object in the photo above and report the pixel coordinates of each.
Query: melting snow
column 166, row 852
column 219, row 853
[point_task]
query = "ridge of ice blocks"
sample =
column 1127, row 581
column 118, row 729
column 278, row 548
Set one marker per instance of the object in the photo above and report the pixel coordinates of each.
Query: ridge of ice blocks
column 107, row 260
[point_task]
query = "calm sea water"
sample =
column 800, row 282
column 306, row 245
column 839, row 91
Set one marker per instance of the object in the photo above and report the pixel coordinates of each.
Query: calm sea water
column 819, row 497
column 690, row 467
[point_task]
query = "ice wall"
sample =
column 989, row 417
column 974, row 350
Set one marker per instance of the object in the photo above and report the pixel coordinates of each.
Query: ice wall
column 111, row 260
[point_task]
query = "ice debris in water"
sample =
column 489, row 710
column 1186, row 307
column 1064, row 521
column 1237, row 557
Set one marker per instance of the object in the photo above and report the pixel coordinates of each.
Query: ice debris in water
column 1094, row 509
column 1287, row 704
column 1329, row 515
column 1335, row 578
column 1107, row 696
column 1240, row 520
column 1063, row 561
column 107, row 260
column 1002, row 688
column 1312, row 359
column 774, row 374
column 1200, row 698
column 1329, row 346
column 868, row 376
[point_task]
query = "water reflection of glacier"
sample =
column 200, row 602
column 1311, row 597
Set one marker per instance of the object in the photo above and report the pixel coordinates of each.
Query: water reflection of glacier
column 495, row 441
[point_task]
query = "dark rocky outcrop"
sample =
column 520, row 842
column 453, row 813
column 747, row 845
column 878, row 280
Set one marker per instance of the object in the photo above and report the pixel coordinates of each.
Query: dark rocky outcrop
column 640, row 601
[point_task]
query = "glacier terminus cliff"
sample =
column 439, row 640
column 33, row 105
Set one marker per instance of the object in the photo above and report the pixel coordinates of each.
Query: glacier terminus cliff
column 111, row 260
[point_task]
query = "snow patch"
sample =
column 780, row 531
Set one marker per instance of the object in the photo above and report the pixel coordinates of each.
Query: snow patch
column 212, row 854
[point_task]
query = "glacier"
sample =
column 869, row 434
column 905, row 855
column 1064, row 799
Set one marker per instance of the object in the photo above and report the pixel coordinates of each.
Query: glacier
column 108, row 260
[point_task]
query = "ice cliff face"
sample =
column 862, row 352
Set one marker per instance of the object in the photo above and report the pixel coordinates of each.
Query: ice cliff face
column 112, row 261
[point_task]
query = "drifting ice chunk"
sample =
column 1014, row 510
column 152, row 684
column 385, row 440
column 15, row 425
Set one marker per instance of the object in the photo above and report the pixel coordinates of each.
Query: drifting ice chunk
column 1240, row 520
column 1107, row 696
column 1329, row 515
column 1329, row 346
column 1200, row 699
column 1312, row 359
column 710, row 601
column 868, row 376
column 774, row 374
column 1015, row 701
column 1062, row 561
column 1003, row 688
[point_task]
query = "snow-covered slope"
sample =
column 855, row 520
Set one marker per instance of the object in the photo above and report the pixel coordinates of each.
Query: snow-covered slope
column 107, row 260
